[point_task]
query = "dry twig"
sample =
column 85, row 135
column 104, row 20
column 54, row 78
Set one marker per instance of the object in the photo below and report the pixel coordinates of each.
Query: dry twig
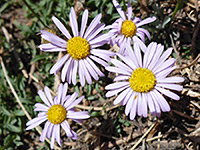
column 140, row 140
column 192, row 63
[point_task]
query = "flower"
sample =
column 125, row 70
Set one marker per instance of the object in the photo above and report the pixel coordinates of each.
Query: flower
column 126, row 29
column 55, row 112
column 143, row 82
column 82, row 49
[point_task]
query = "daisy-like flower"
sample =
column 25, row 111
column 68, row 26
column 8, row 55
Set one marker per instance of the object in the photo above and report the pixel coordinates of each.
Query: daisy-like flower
column 143, row 82
column 55, row 112
column 82, row 49
column 126, row 29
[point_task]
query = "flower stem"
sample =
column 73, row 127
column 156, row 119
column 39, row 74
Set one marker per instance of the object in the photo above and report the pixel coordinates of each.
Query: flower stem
column 34, row 13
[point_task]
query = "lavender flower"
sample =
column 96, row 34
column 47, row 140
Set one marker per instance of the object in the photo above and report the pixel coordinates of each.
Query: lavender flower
column 82, row 49
column 126, row 29
column 55, row 112
column 143, row 82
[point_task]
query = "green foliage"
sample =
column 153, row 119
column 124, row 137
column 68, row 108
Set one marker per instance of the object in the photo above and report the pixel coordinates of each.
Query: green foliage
column 22, row 54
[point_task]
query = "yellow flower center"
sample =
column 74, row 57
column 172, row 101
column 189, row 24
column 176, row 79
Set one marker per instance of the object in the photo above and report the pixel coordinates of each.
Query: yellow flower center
column 78, row 47
column 56, row 114
column 128, row 28
column 142, row 80
column 45, row 41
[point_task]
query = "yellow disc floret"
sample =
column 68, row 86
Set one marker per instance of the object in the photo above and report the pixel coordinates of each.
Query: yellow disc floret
column 142, row 80
column 78, row 47
column 56, row 114
column 128, row 28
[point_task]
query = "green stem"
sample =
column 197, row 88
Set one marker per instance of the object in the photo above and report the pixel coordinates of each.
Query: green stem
column 35, row 14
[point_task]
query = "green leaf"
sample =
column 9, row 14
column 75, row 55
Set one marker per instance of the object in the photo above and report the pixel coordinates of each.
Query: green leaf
column 38, row 57
column 13, row 128
column 19, row 113
column 5, row 112
column 179, row 5
column 95, row 113
column 166, row 20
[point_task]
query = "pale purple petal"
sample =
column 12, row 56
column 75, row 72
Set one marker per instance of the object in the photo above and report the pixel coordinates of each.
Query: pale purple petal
column 119, row 9
column 128, row 62
column 61, row 27
column 60, row 91
column 67, row 129
column 75, row 136
column 136, row 19
column 65, row 69
column 141, row 45
column 48, row 94
column 50, row 131
column 81, row 74
column 73, row 22
column 114, row 92
column 44, row 132
column 165, row 72
column 143, row 109
column 84, row 22
column 141, row 35
column 57, row 128
column 101, row 55
column 145, row 58
column 70, row 100
column 35, row 122
column 171, row 80
column 118, row 70
column 150, row 103
column 41, row 107
column 132, row 57
column 149, row 55
column 86, row 73
column 127, row 97
column 102, row 39
column 165, row 65
column 146, row 21
column 157, row 107
column 133, row 108
column 78, row 115
column 121, row 77
column 98, row 60
column 59, row 64
column 74, row 72
column 121, row 65
column 164, row 56
column 94, row 66
column 91, row 70
column 76, row 102
column 129, row 104
column 105, row 52
column 92, row 25
column 43, row 97
column 138, row 54
column 53, row 137
column 121, row 96
column 53, row 39
column 49, row 47
column 170, row 86
column 40, row 114
column 96, row 31
column 145, row 32
column 168, row 93
column 157, row 55
column 116, row 85
column 129, row 11
column 161, row 101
